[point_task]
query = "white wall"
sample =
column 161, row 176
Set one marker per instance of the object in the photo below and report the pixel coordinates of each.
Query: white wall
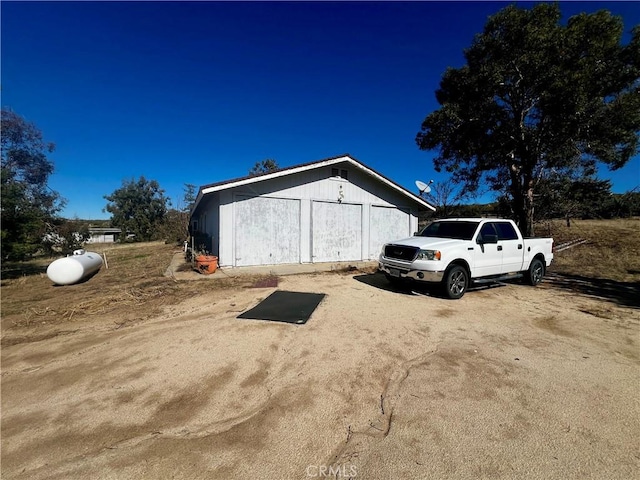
column 316, row 184
column 102, row 238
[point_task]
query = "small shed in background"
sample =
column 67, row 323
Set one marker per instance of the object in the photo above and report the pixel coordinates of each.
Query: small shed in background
column 104, row 235
column 331, row 210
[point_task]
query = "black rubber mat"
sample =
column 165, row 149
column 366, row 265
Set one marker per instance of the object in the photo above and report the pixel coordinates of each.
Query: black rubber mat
column 283, row 306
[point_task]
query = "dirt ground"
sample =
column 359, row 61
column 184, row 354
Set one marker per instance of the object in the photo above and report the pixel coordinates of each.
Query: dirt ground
column 508, row 382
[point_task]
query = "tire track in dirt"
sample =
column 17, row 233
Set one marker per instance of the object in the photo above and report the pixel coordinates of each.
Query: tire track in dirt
column 344, row 453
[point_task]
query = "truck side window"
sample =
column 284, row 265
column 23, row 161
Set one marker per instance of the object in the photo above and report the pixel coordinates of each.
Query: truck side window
column 487, row 229
column 506, row 231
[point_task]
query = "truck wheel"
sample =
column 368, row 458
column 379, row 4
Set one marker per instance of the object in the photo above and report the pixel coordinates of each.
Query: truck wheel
column 535, row 273
column 455, row 282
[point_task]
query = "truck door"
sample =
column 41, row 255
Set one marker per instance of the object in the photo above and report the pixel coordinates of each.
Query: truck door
column 487, row 258
column 512, row 247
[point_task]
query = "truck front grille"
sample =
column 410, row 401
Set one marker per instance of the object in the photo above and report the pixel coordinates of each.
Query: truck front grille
column 400, row 252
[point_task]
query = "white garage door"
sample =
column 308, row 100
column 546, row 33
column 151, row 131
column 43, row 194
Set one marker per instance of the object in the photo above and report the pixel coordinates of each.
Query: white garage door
column 336, row 232
column 267, row 231
column 387, row 224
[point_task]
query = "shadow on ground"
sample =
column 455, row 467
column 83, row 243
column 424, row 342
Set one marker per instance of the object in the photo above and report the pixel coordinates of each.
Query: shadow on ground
column 378, row 280
column 11, row 271
column 626, row 294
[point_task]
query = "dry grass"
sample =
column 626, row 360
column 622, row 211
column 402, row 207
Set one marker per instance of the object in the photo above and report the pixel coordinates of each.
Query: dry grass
column 607, row 266
column 612, row 250
column 133, row 288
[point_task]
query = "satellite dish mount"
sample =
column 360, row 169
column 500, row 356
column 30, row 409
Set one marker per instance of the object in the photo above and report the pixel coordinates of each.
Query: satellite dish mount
column 423, row 187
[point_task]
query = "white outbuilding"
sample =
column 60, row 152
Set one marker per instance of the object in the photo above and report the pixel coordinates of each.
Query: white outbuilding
column 331, row 210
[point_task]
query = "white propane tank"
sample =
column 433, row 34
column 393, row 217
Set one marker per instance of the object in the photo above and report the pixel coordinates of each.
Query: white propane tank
column 72, row 269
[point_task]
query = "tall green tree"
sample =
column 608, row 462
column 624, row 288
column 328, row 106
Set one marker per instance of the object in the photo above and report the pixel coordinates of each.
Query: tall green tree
column 138, row 207
column 265, row 166
column 537, row 96
column 623, row 205
column 28, row 203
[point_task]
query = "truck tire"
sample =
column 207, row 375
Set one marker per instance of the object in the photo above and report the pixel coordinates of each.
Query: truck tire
column 456, row 280
column 534, row 275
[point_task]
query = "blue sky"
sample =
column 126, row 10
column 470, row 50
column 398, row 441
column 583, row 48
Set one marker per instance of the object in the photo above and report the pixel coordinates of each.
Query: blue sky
column 199, row 92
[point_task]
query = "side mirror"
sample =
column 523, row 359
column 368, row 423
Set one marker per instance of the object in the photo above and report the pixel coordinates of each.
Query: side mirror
column 486, row 239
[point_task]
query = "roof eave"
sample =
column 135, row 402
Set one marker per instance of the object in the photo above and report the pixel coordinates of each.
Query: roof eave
column 302, row 168
column 280, row 173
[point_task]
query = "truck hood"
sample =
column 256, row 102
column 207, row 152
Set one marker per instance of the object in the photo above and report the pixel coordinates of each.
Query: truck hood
column 428, row 243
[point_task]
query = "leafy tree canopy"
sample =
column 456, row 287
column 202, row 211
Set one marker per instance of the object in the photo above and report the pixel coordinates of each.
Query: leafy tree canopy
column 535, row 97
column 27, row 201
column 265, row 166
column 138, row 207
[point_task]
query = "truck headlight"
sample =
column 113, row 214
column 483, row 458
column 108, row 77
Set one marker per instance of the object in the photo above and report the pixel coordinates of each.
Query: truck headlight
column 428, row 255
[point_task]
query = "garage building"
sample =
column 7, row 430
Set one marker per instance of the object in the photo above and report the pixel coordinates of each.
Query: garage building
column 331, row 210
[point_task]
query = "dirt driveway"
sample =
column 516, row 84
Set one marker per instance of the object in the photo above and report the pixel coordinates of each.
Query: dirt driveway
column 509, row 382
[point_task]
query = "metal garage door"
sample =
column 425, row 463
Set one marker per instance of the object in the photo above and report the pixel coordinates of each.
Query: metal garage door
column 267, row 231
column 387, row 224
column 336, row 232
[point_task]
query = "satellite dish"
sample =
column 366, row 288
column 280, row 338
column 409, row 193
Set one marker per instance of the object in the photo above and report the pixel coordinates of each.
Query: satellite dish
column 423, row 187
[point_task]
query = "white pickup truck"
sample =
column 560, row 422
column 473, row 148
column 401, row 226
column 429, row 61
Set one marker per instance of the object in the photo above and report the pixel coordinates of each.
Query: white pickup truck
column 456, row 252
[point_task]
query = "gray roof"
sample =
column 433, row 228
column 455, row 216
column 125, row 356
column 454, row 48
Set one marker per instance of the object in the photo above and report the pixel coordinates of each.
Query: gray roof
column 98, row 230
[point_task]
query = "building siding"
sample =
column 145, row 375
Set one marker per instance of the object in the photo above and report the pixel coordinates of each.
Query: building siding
column 218, row 213
column 267, row 230
column 336, row 231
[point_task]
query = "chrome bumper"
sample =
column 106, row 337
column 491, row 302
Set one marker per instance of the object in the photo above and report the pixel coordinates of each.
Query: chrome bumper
column 417, row 275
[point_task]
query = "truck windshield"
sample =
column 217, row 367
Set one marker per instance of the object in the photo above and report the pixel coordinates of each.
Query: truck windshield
column 444, row 229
